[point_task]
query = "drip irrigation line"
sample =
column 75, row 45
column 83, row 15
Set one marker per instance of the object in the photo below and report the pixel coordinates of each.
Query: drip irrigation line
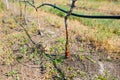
column 80, row 15
column 74, row 14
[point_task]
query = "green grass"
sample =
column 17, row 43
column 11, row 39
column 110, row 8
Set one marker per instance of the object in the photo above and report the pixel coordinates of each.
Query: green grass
column 58, row 47
column 13, row 73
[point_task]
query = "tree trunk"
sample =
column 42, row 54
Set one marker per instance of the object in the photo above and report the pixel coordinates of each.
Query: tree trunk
column 7, row 4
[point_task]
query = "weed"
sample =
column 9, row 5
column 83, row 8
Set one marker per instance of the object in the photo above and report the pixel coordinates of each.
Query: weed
column 82, row 57
column 101, row 78
column 33, row 29
column 106, row 76
column 81, row 49
column 83, row 75
column 53, row 71
column 60, row 40
column 13, row 73
column 69, row 68
column 34, row 55
column 91, row 59
column 24, row 41
column 72, row 75
column 9, row 57
column 24, row 49
column 59, row 46
column 58, row 60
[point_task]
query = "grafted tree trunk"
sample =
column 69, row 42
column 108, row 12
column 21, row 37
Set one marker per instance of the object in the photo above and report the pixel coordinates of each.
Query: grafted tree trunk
column 67, row 53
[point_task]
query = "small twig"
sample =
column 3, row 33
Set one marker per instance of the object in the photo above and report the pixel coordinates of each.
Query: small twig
column 24, row 30
column 27, row 34
column 31, row 66
column 67, row 53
